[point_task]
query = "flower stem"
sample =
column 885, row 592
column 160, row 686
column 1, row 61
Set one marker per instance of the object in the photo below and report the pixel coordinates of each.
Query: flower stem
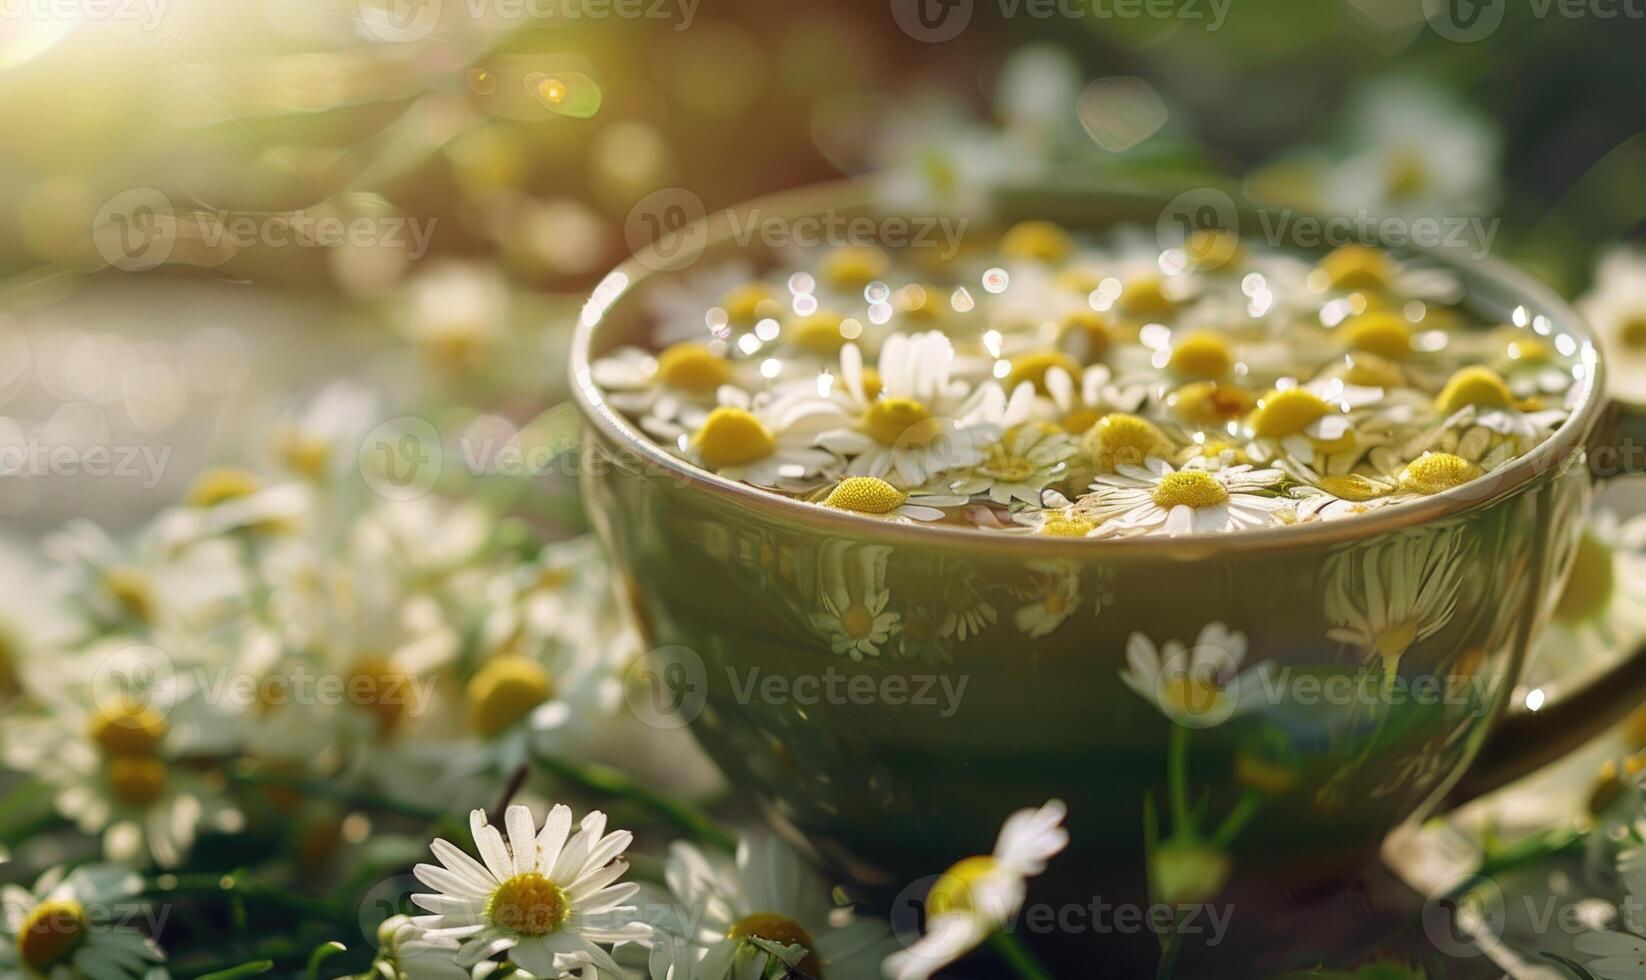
column 1177, row 776
column 1168, row 956
column 606, row 781
column 1237, row 818
column 1018, row 957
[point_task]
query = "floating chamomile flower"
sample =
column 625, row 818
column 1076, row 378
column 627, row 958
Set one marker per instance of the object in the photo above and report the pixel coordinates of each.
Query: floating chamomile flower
column 1159, row 498
column 711, row 305
column 1021, row 465
column 675, row 386
column 916, row 426
column 1309, row 422
column 77, row 925
column 767, row 892
column 1333, row 496
column 1370, row 270
column 874, row 497
column 1077, row 408
column 547, row 900
column 768, row 440
column 981, row 894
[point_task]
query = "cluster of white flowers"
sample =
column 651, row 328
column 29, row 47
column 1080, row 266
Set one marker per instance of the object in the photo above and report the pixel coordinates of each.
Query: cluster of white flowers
column 1056, row 386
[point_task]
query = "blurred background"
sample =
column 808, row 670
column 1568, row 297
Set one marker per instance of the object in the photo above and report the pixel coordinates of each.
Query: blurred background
column 212, row 208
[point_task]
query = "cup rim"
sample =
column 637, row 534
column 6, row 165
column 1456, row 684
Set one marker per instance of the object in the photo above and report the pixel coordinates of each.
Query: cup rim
column 634, row 272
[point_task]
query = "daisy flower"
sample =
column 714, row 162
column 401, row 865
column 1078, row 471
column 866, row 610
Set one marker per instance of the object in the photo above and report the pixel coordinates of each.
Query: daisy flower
column 1384, row 597
column 1158, row 497
column 1332, row 496
column 76, row 925
column 1077, row 408
column 1616, row 306
column 852, row 599
column 1309, row 421
column 916, row 425
column 1602, row 608
column 980, row 895
column 546, row 899
column 1054, row 595
column 1021, row 465
column 768, row 440
column 671, row 389
column 874, row 497
column 35, row 621
column 1200, row 686
column 144, row 586
column 318, row 441
column 231, row 501
column 1355, row 268
column 768, row 892
column 1621, row 955
column 404, row 952
column 458, row 313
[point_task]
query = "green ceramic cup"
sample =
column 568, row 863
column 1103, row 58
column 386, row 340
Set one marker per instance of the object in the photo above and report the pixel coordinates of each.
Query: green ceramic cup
column 988, row 669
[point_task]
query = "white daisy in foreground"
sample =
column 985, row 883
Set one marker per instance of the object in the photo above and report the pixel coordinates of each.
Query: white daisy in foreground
column 768, row 892
column 1022, row 464
column 1616, row 306
column 916, row 426
column 1384, row 597
column 1158, row 497
column 1197, row 686
column 547, row 899
column 404, row 952
column 76, row 926
column 979, row 895
column 769, row 440
column 1622, row 955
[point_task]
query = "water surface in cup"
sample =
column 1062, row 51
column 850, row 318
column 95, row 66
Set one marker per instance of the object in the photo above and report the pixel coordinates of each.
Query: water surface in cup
column 1092, row 387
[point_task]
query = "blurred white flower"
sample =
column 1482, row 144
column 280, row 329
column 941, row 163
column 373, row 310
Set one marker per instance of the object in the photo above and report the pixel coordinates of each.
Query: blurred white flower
column 76, row 926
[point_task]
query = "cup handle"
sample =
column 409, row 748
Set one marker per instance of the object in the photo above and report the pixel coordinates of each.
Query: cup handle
column 1525, row 741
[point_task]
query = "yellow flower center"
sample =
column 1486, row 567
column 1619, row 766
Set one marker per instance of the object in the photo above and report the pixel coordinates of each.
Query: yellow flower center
column 1373, row 371
column 50, row 934
column 1351, row 486
column 380, row 689
column 1609, row 785
column 131, row 591
column 732, row 437
column 857, row 621
column 1040, row 241
column 1033, row 367
column 1189, row 695
column 224, row 483
column 1589, row 587
column 1146, row 296
column 1189, row 488
column 1080, row 420
column 1285, row 413
column 1007, row 468
column 1358, row 267
column 1433, row 472
column 302, row 453
column 818, row 333
column 1210, row 403
column 1089, row 331
column 1209, row 250
column 1066, row 527
column 1383, row 334
column 120, row 730
column 1119, row 438
column 528, row 905
column 1474, row 385
column 865, row 495
column 749, row 302
column 1202, row 355
column 1633, row 333
column 901, row 421
column 855, row 266
column 692, row 368
column 782, row 930
column 505, row 691
column 952, row 892
column 136, row 781
column 1408, row 175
